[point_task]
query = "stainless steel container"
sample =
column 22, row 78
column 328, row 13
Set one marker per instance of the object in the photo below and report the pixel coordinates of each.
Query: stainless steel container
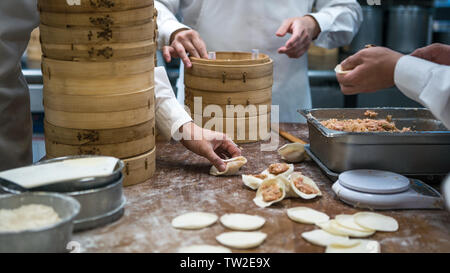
column 409, row 28
column 49, row 239
column 99, row 206
column 425, row 151
column 371, row 30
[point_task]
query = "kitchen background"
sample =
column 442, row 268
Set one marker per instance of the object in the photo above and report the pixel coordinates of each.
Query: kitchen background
column 402, row 25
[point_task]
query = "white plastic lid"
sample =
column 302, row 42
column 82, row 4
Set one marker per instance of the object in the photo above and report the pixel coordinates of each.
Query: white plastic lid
column 374, row 181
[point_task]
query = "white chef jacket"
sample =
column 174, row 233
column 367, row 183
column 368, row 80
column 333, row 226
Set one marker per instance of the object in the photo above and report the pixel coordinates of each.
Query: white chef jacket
column 427, row 83
column 243, row 25
column 17, row 19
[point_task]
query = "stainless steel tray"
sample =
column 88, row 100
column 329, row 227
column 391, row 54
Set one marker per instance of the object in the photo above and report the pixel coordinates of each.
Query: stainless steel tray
column 424, row 151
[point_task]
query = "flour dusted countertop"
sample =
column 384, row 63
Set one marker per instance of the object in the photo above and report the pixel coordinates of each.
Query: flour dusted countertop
column 182, row 184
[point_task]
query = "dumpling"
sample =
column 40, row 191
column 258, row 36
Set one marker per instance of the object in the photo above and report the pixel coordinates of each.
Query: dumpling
column 253, row 181
column 293, row 152
column 272, row 190
column 233, row 166
column 303, row 186
column 277, row 169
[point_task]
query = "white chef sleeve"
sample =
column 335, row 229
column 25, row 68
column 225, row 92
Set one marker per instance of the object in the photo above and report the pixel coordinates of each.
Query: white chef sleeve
column 339, row 21
column 167, row 22
column 170, row 115
column 427, row 83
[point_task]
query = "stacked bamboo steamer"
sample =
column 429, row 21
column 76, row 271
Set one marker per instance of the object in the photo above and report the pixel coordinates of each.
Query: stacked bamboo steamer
column 98, row 72
column 236, row 79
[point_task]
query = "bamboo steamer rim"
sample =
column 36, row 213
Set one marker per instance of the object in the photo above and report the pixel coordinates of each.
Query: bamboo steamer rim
column 258, row 112
column 130, row 17
column 103, row 120
column 231, row 72
column 98, row 136
column 119, row 150
column 232, row 58
column 135, row 171
column 230, row 85
column 92, row 5
column 99, row 103
column 230, row 98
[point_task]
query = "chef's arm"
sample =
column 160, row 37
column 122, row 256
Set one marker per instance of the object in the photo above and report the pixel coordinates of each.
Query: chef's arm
column 173, row 121
column 177, row 39
column 427, row 83
column 339, row 21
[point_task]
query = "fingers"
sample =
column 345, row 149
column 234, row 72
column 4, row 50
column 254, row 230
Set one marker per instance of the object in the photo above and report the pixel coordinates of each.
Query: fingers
column 284, row 28
column 168, row 51
column 352, row 62
column 231, row 148
column 201, row 47
column 181, row 51
column 215, row 159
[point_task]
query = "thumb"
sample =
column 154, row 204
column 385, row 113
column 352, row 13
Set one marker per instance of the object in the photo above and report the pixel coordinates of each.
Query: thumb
column 284, row 28
column 215, row 160
column 351, row 62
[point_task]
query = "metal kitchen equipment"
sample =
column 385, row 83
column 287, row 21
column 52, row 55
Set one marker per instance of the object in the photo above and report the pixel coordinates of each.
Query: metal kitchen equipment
column 371, row 30
column 374, row 189
column 409, row 28
column 48, row 239
column 424, row 151
column 69, row 185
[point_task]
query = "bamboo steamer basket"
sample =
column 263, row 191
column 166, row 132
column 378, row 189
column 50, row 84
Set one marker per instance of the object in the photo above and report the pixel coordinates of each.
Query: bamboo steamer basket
column 98, row 137
column 98, row 104
column 80, row 6
column 140, row 168
column 322, row 59
column 101, row 19
column 99, row 120
column 96, row 35
column 223, row 99
column 249, row 111
column 245, row 130
column 232, row 79
column 101, row 52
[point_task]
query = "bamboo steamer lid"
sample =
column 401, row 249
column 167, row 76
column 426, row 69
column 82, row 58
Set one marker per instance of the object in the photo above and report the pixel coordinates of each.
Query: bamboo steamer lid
column 244, row 130
column 96, row 35
column 101, row 52
column 101, row 120
column 98, row 137
column 102, row 19
column 119, row 150
column 76, row 6
column 60, row 69
column 140, row 168
column 98, row 104
column 231, row 72
column 98, row 85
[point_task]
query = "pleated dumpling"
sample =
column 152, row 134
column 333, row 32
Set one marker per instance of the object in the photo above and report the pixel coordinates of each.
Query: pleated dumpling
column 277, row 169
column 303, row 186
column 233, row 166
column 293, row 152
column 272, row 190
column 253, row 181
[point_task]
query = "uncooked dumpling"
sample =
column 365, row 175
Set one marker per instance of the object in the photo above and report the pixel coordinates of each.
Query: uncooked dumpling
column 307, row 215
column 292, row 152
column 303, row 186
column 239, row 221
column 233, row 166
column 204, row 249
column 362, row 246
column 376, row 221
column 323, row 238
column 194, row 220
column 271, row 191
column 241, row 240
column 253, row 181
column 338, row 70
column 279, row 169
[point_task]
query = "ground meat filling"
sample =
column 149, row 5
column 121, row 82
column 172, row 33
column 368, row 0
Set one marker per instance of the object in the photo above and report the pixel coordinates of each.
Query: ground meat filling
column 371, row 114
column 260, row 176
column 278, row 168
column 271, row 192
column 363, row 125
column 303, row 187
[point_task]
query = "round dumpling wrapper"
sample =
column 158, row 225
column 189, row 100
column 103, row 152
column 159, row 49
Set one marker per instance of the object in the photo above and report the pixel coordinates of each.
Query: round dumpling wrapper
column 240, row 221
column 194, row 220
column 241, row 239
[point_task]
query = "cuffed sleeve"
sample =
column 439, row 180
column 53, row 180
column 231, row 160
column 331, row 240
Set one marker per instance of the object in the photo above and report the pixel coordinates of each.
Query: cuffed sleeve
column 339, row 21
column 167, row 22
column 427, row 83
column 170, row 115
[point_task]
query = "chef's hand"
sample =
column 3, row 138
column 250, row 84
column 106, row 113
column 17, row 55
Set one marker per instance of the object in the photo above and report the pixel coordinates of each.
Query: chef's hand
column 182, row 42
column 372, row 69
column 214, row 146
column 303, row 29
column 436, row 53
